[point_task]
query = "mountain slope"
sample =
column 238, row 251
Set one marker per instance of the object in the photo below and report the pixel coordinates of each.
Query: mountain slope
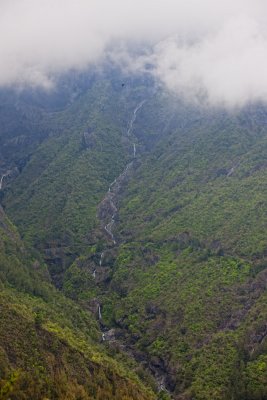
column 151, row 213
column 55, row 198
column 191, row 277
column 49, row 347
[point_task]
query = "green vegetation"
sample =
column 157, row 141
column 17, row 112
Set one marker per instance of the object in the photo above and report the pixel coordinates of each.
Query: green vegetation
column 193, row 269
column 183, row 291
column 49, row 346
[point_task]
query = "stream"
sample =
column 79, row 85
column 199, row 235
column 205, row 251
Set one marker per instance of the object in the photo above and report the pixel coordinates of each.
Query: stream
column 108, row 206
column 109, row 203
column 2, row 179
column 132, row 120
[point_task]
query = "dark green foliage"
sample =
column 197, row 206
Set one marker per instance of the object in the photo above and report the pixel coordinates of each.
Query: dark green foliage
column 49, row 346
column 185, row 288
column 187, row 296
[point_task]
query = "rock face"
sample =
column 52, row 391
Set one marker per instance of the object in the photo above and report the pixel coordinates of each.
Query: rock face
column 7, row 176
column 110, row 335
column 93, row 306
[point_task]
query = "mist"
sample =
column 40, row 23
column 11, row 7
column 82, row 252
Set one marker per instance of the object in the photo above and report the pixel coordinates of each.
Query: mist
column 209, row 51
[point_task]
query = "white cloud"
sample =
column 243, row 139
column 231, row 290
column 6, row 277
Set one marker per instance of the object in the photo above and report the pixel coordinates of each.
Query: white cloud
column 208, row 47
column 228, row 67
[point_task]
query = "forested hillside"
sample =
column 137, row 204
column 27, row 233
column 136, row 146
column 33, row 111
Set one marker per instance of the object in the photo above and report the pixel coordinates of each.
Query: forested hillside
column 49, row 346
column 136, row 265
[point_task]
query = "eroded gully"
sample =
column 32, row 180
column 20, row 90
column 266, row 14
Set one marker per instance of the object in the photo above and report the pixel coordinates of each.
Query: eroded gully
column 108, row 210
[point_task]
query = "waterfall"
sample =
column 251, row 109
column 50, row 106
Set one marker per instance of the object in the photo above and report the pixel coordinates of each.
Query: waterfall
column 101, row 259
column 130, row 126
column 113, row 183
column 109, row 199
column 1, row 180
column 99, row 313
column 109, row 196
column 108, row 228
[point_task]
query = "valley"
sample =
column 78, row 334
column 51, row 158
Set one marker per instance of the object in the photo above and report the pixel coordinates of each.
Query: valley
column 137, row 245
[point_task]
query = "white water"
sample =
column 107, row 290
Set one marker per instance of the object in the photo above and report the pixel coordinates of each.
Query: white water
column 2, row 178
column 113, row 183
column 100, row 265
column 130, row 126
column 109, row 197
column 101, row 258
column 110, row 194
column 1, row 181
column 232, row 170
column 108, row 228
column 99, row 313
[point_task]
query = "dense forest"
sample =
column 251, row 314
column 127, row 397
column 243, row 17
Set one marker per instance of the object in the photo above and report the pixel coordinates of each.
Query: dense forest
column 133, row 255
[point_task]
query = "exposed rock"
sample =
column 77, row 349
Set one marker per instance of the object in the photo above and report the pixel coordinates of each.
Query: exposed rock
column 110, row 335
column 7, row 176
column 93, row 306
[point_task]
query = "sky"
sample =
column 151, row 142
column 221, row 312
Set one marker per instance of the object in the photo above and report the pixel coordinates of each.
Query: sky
column 205, row 50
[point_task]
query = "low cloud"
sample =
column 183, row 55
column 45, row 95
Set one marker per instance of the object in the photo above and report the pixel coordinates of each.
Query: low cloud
column 225, row 68
column 211, row 51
